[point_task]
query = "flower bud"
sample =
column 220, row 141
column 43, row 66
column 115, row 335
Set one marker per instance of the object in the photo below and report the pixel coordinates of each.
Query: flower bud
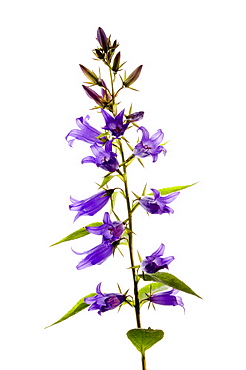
column 93, row 95
column 132, row 77
column 116, row 63
column 134, row 117
column 98, row 54
column 102, row 39
column 89, row 74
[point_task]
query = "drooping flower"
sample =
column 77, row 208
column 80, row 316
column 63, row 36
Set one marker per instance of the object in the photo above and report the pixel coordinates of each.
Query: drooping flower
column 150, row 145
column 104, row 302
column 85, row 133
column 158, row 204
column 95, row 256
column 92, row 205
column 155, row 262
column 111, row 231
column 104, row 157
column 115, row 124
column 167, row 298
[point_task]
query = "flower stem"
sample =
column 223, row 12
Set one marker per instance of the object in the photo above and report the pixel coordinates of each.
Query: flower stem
column 135, row 283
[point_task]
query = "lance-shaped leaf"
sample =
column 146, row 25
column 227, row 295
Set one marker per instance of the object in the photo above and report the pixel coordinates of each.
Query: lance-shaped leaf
column 106, row 179
column 80, row 305
column 144, row 339
column 165, row 191
column 150, row 289
column 170, row 280
column 77, row 234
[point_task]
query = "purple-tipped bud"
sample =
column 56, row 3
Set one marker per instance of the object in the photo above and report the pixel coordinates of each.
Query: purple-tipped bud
column 116, row 63
column 134, row 117
column 89, row 74
column 102, row 39
column 98, row 54
column 133, row 76
column 93, row 95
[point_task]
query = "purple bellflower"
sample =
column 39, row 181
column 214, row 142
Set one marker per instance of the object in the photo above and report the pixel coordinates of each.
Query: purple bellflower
column 155, row 262
column 92, row 205
column 104, row 302
column 115, row 124
column 104, row 157
column 149, row 145
column 158, row 204
column 167, row 298
column 95, row 256
column 111, row 231
column 85, row 133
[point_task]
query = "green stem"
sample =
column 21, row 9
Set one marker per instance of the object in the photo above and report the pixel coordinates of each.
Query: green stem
column 129, row 211
column 135, row 283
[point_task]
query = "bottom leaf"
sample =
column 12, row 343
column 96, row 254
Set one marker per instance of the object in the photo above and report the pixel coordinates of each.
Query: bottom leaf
column 144, row 339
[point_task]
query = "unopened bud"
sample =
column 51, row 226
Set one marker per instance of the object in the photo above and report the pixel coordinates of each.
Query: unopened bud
column 98, row 54
column 132, row 77
column 102, row 39
column 116, row 63
column 93, row 95
column 89, row 74
column 134, row 117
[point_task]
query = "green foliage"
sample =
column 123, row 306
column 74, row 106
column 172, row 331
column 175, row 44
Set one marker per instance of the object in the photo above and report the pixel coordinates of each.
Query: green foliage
column 106, row 179
column 170, row 280
column 144, row 339
column 80, row 305
column 77, row 234
column 165, row 191
column 150, row 288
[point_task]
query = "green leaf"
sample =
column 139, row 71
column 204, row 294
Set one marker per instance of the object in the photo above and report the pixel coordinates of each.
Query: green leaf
column 113, row 201
column 170, row 280
column 151, row 288
column 165, row 191
column 80, row 305
column 144, row 339
column 106, row 179
column 78, row 234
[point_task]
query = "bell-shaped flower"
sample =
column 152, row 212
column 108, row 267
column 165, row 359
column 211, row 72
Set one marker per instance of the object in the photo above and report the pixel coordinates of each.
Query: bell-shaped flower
column 111, row 231
column 155, row 262
column 104, row 302
column 104, row 157
column 115, row 124
column 85, row 133
column 95, row 256
column 167, row 298
column 149, row 145
column 158, row 204
column 92, row 205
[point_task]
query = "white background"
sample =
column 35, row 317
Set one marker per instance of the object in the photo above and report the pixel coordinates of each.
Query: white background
column 192, row 86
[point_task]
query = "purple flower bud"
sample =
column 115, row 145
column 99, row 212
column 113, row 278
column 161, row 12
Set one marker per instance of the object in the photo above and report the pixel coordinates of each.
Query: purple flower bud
column 134, row 117
column 104, row 302
column 115, row 124
column 89, row 74
column 85, row 133
column 167, row 298
column 93, row 95
column 111, row 231
column 158, row 204
column 104, row 158
column 102, row 39
column 149, row 146
column 116, row 63
column 154, row 262
column 92, row 205
column 132, row 77
column 95, row 256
